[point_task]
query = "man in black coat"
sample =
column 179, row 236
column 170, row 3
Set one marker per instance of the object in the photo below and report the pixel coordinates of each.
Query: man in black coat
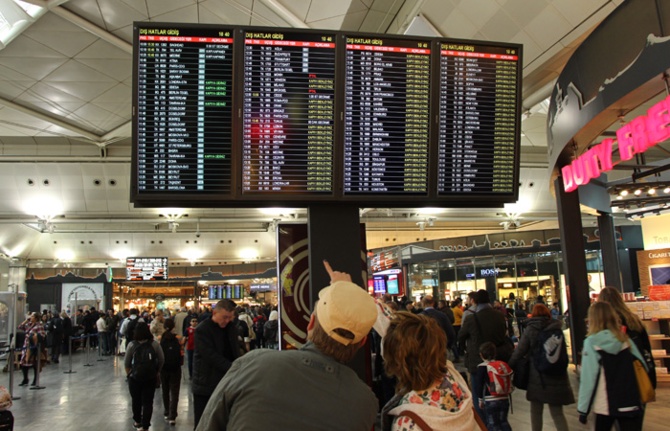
column 441, row 318
column 486, row 324
column 216, row 348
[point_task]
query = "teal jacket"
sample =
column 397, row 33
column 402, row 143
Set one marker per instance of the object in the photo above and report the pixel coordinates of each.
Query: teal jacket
column 603, row 340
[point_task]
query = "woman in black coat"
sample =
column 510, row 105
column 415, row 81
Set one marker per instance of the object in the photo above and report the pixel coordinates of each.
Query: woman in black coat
column 545, row 389
column 68, row 331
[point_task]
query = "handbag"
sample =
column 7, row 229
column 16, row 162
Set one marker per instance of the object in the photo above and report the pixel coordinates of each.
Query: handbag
column 647, row 393
column 521, row 373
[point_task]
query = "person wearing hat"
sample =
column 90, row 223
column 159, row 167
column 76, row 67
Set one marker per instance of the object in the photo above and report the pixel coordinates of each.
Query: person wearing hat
column 308, row 388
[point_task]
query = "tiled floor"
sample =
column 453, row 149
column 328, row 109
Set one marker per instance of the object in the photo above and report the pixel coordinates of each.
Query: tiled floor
column 96, row 398
column 93, row 398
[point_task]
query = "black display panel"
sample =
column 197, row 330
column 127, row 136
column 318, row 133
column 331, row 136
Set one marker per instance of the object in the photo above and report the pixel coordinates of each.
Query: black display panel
column 289, row 113
column 238, row 116
column 478, row 128
column 386, row 116
column 146, row 268
column 184, row 101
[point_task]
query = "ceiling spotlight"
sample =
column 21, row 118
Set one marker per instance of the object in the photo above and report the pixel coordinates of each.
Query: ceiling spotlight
column 638, row 192
column 666, row 190
column 623, row 193
column 619, row 197
column 651, row 191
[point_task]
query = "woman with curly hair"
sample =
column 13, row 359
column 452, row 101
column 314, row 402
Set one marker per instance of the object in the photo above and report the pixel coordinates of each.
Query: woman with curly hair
column 430, row 392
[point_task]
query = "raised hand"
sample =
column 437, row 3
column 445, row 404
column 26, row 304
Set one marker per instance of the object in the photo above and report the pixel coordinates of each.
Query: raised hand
column 335, row 275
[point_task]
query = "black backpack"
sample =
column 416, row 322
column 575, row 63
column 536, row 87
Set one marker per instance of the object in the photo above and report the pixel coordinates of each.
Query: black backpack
column 270, row 330
column 130, row 329
column 550, row 354
column 57, row 325
column 171, row 353
column 623, row 397
column 144, row 365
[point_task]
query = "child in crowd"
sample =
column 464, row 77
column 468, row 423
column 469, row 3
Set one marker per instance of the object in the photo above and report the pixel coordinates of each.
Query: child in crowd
column 494, row 387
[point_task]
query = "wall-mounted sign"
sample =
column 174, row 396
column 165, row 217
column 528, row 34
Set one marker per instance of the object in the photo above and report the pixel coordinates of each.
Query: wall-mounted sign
column 635, row 137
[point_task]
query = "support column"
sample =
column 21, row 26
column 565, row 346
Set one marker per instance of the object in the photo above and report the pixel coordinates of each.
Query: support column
column 334, row 233
column 574, row 264
column 608, row 248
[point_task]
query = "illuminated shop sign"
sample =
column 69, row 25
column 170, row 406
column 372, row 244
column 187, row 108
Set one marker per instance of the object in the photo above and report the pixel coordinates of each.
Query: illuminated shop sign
column 635, row 137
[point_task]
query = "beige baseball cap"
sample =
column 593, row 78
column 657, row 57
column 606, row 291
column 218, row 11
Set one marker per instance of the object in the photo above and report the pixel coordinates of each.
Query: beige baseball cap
column 345, row 305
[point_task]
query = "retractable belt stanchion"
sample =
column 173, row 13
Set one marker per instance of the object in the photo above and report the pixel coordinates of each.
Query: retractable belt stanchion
column 88, row 348
column 10, row 366
column 69, row 346
column 37, row 370
column 10, row 370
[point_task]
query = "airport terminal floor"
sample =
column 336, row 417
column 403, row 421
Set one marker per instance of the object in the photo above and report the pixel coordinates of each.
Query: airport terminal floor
column 96, row 398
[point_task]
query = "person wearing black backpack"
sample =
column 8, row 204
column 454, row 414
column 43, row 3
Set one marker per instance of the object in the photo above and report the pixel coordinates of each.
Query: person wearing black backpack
column 547, row 384
column 56, row 325
column 632, row 326
column 608, row 383
column 143, row 362
column 171, row 371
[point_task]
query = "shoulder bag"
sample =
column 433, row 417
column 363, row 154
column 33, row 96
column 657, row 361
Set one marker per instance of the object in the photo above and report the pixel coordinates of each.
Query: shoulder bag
column 521, row 373
column 647, row 393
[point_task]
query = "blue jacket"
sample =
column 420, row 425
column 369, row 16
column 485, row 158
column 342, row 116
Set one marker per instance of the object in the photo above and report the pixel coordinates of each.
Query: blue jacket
column 590, row 395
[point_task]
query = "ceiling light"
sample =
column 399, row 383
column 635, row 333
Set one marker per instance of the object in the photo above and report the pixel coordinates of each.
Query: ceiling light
column 651, row 191
column 623, row 192
column 638, row 192
column 619, row 197
column 666, row 190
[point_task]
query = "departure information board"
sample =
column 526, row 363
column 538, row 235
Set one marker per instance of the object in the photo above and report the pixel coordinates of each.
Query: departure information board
column 184, row 95
column 387, row 107
column 289, row 113
column 477, row 122
column 244, row 116
column 146, row 268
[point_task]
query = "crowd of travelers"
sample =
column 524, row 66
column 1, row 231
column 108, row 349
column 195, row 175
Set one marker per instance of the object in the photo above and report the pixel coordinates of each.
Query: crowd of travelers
column 438, row 365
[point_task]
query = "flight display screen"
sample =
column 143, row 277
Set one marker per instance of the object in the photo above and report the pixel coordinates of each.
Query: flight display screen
column 478, row 109
column 289, row 113
column 146, row 268
column 184, row 102
column 386, row 116
column 228, row 116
